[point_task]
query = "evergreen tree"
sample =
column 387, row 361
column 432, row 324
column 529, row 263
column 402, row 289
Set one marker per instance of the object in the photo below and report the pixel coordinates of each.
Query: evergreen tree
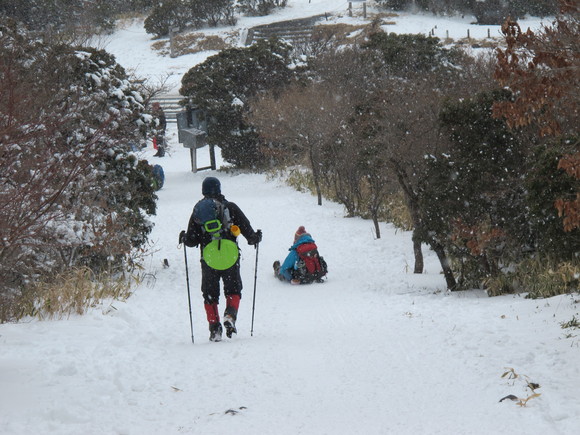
column 545, row 184
column 167, row 15
column 183, row 14
column 259, row 7
column 472, row 196
column 404, row 54
column 222, row 87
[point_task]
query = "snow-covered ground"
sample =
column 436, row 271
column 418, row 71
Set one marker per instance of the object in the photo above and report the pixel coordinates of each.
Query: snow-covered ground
column 133, row 47
column 374, row 350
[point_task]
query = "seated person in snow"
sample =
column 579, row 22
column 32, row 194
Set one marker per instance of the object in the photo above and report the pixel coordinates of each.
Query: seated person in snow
column 303, row 265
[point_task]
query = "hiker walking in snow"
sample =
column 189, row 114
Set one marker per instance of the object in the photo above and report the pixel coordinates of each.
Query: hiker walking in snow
column 159, row 137
column 303, row 265
column 214, row 225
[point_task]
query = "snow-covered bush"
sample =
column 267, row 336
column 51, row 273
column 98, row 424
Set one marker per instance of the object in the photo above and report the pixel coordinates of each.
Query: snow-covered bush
column 260, row 7
column 183, row 14
column 72, row 191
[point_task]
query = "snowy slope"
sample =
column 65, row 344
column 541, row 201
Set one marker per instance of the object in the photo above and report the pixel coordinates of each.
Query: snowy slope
column 374, row 350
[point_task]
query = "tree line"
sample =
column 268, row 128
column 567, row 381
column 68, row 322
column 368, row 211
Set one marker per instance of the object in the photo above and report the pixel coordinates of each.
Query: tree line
column 194, row 14
column 70, row 17
column 483, row 150
column 78, row 18
column 485, row 11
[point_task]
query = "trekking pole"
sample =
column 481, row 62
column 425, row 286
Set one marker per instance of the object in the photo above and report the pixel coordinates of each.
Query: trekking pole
column 255, row 279
column 188, row 293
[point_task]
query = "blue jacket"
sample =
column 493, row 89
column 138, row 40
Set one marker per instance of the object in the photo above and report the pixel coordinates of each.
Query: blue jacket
column 292, row 257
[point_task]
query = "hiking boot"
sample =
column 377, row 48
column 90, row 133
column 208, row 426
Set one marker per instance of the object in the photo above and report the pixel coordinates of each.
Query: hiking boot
column 230, row 325
column 295, row 282
column 215, row 332
column 277, row 273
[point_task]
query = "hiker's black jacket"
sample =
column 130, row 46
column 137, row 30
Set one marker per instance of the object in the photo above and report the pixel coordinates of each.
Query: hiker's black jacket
column 196, row 236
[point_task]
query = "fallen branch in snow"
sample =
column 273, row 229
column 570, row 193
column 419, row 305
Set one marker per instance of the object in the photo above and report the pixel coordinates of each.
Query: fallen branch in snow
column 511, row 374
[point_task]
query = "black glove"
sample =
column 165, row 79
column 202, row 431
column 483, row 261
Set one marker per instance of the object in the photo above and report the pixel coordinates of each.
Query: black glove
column 182, row 236
column 255, row 238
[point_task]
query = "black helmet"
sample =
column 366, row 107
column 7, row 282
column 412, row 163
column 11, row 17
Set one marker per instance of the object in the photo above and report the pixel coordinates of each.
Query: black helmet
column 211, row 187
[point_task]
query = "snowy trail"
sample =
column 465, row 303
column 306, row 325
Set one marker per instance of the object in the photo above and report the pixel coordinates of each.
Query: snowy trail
column 368, row 344
column 374, row 350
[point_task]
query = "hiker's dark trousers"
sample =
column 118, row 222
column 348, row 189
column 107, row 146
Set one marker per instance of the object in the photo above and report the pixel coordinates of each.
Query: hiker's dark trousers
column 210, row 282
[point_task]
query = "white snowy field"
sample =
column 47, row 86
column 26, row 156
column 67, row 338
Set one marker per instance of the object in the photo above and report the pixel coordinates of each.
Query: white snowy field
column 376, row 349
column 133, row 47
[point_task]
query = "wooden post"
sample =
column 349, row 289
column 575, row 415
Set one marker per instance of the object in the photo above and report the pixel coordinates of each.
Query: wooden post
column 468, row 37
column 447, row 34
column 212, row 157
column 365, row 10
column 350, row 9
column 193, row 155
column 488, row 35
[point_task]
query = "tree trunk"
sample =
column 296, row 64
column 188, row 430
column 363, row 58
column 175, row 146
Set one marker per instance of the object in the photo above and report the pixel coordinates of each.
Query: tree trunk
column 318, row 191
column 377, row 227
column 419, row 264
column 315, row 175
column 413, row 204
column 447, row 272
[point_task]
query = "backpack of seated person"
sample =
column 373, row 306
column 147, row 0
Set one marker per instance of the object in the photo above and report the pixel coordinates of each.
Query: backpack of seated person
column 311, row 267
